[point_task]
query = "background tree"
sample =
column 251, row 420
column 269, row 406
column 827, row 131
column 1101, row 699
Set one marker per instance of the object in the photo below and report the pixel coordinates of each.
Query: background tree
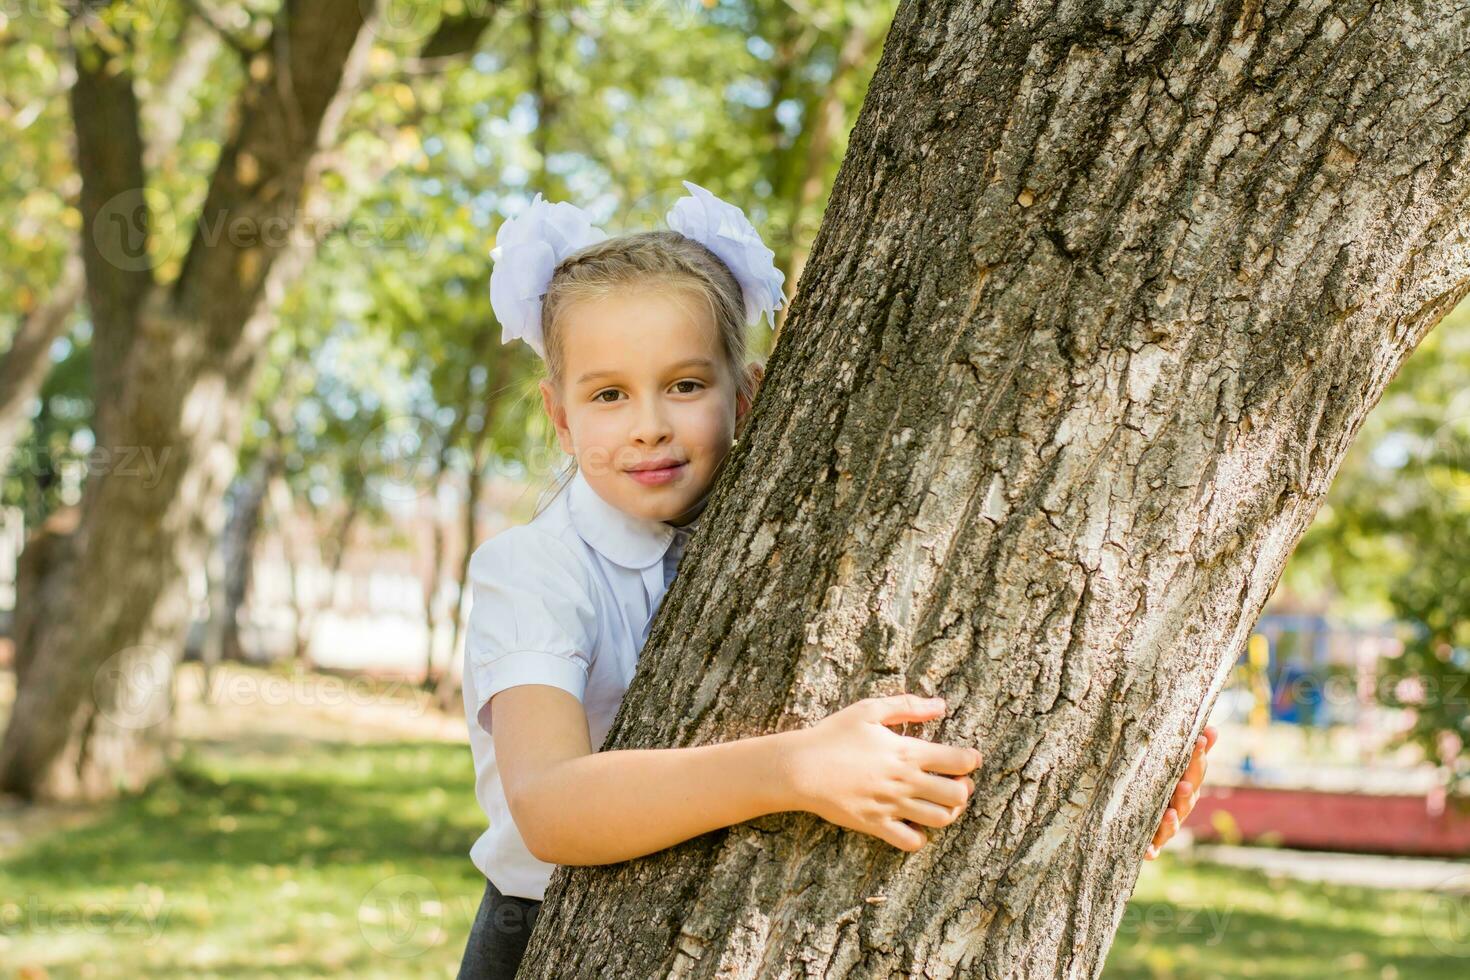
column 175, row 345
column 1101, row 298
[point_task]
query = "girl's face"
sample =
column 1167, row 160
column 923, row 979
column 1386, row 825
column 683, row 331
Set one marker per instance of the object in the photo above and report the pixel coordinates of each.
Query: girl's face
column 645, row 384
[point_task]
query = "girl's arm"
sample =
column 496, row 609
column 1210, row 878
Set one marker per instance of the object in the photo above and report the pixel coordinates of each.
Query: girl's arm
column 575, row 806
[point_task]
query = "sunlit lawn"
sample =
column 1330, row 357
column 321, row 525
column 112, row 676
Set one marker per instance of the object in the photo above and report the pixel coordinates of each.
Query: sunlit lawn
column 1192, row 920
column 342, row 860
column 283, row 855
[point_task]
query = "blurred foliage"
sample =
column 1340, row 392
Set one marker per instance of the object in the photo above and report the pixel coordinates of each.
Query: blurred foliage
column 1432, row 676
column 1392, row 541
column 385, row 360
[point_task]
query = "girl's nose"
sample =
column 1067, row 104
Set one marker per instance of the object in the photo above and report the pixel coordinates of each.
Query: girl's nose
column 652, row 426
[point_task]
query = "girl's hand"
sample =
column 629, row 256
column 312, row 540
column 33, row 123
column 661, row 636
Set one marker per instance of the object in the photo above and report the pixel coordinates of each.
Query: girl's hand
column 1186, row 794
column 852, row 771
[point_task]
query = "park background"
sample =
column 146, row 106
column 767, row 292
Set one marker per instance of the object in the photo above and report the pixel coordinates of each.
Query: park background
column 317, row 812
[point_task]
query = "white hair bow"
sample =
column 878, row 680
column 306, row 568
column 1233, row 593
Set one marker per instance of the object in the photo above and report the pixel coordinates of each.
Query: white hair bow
column 529, row 247
column 527, row 250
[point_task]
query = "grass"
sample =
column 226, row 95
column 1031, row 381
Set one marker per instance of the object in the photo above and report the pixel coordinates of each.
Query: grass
column 342, row 860
column 1194, row 920
column 288, row 843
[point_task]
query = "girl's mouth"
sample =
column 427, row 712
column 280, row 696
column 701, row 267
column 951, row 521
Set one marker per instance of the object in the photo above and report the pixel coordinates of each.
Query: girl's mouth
column 658, row 477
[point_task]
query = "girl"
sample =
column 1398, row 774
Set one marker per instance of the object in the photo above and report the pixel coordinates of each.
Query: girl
column 647, row 384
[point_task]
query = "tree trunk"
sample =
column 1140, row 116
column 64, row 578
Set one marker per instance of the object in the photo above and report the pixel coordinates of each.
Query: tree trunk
column 25, row 363
column 447, row 689
column 332, row 548
column 1103, row 293
column 44, row 562
column 433, row 578
column 304, row 603
column 236, row 550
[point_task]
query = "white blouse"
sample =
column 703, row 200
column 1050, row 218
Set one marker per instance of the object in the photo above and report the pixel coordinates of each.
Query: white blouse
column 565, row 600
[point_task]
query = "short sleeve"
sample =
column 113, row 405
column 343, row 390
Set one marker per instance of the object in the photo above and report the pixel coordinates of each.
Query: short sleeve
column 532, row 617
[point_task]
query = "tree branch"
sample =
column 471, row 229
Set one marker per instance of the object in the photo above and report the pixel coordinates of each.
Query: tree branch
column 290, row 105
column 115, row 221
column 454, row 38
column 231, row 40
column 24, row 365
column 457, row 36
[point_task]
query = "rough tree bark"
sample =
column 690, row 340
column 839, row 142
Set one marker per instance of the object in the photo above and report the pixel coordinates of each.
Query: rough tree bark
column 1103, row 293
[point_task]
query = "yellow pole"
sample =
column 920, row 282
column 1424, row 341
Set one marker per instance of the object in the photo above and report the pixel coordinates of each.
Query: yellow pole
column 1258, row 653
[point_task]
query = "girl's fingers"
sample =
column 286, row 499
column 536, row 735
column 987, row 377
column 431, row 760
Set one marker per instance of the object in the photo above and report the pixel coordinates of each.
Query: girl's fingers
column 1160, row 836
column 947, row 791
column 898, row 708
column 903, row 836
column 1186, row 805
column 1186, row 793
column 926, row 813
column 1167, row 827
column 952, row 760
column 1182, row 791
column 1165, row 831
column 1196, row 770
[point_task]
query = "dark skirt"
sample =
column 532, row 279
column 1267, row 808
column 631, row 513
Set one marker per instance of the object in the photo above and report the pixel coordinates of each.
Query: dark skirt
column 498, row 937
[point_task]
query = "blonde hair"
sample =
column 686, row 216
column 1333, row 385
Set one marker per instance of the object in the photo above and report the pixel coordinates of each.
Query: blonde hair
column 659, row 259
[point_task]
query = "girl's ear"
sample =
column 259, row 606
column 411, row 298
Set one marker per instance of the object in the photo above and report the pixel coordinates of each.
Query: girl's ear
column 558, row 416
column 757, row 373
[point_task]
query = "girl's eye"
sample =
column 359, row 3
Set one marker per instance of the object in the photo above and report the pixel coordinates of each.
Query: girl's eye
column 606, row 391
column 688, row 391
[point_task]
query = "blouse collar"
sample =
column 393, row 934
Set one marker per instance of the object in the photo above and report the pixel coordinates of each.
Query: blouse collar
column 626, row 540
